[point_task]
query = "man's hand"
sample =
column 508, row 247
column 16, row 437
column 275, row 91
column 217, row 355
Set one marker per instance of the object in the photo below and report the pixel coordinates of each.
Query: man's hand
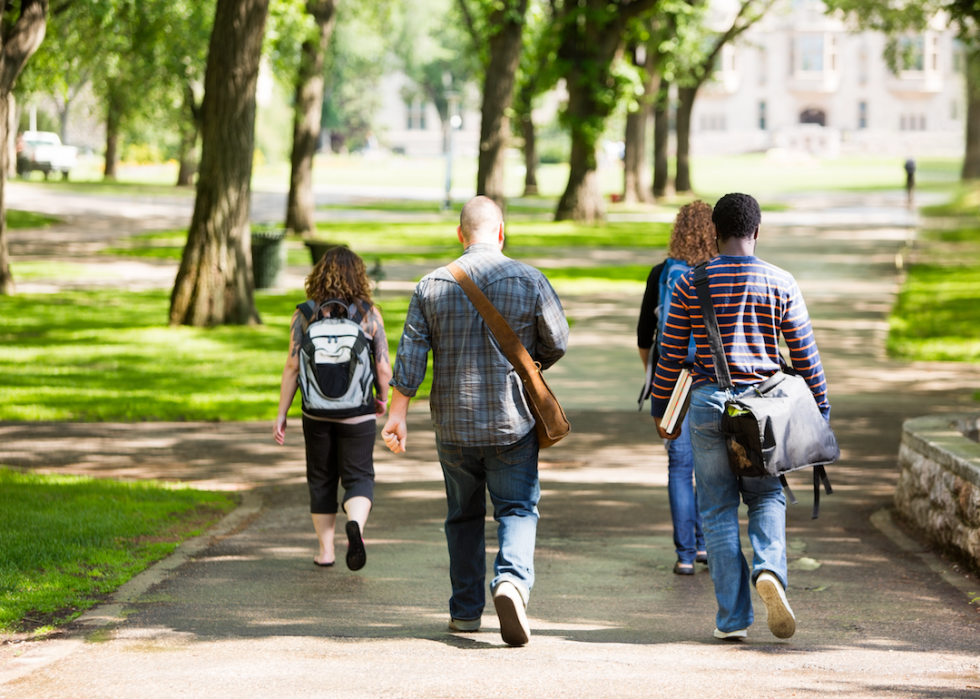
column 395, row 434
column 663, row 433
column 395, row 431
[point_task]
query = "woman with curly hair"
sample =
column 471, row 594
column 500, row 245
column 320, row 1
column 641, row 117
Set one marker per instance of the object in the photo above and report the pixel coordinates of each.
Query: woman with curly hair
column 338, row 449
column 692, row 242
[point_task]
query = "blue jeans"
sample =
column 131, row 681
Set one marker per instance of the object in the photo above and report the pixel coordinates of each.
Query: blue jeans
column 719, row 491
column 688, row 537
column 510, row 473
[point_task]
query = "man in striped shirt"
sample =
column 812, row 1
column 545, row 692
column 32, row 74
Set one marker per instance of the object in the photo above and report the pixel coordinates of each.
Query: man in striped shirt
column 754, row 302
column 484, row 429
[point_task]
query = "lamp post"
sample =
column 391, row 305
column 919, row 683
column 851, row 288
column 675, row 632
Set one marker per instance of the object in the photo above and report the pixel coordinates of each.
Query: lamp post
column 452, row 99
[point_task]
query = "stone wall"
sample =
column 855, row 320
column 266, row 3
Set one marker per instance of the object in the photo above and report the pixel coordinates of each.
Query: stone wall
column 939, row 486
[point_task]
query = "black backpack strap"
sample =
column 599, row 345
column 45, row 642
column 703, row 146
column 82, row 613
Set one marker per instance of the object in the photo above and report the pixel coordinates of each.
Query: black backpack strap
column 820, row 476
column 307, row 308
column 722, row 374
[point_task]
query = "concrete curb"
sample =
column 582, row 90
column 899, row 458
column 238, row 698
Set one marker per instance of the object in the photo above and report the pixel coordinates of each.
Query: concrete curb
column 950, row 573
column 46, row 652
column 127, row 594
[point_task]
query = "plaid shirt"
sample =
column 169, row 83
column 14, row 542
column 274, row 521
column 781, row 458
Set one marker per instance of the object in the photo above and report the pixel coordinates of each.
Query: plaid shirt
column 477, row 397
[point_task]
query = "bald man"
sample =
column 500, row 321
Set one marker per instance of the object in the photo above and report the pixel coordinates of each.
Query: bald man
column 484, row 429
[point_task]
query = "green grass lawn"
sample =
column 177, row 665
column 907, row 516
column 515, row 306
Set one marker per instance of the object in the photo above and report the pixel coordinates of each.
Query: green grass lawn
column 54, row 270
column 936, row 316
column 964, row 202
column 106, row 355
column 68, row 541
column 28, row 219
column 711, row 176
column 414, row 242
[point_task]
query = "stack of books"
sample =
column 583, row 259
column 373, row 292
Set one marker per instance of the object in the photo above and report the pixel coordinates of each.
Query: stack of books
column 679, row 402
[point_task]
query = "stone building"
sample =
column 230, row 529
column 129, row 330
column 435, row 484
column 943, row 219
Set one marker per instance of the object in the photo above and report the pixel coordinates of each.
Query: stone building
column 805, row 81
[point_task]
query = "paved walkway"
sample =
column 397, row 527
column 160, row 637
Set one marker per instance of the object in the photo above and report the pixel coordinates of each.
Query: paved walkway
column 245, row 613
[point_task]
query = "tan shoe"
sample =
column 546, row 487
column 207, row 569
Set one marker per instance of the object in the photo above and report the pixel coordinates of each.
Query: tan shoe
column 509, row 604
column 780, row 617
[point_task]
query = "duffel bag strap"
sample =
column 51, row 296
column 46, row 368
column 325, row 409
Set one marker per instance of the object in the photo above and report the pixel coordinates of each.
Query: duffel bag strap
column 789, row 491
column 722, row 374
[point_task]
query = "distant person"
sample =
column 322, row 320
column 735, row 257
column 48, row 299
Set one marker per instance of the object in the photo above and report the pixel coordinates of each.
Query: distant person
column 484, row 430
column 909, row 180
column 338, row 448
column 755, row 302
column 692, row 241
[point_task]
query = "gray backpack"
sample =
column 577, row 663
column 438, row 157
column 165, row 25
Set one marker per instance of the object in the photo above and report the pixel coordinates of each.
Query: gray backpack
column 336, row 369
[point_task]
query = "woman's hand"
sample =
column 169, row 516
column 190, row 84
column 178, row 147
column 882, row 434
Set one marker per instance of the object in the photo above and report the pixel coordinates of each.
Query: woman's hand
column 279, row 430
column 380, row 406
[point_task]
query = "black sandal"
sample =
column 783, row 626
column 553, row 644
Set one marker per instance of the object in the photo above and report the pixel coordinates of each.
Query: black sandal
column 356, row 555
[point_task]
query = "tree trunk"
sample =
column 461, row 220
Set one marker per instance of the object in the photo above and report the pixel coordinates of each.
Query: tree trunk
column 11, row 135
column 582, row 200
column 971, row 161
column 635, row 185
column 189, row 129
column 7, row 287
column 685, row 105
column 530, row 156
column 498, row 93
column 214, row 283
column 18, row 42
column 661, row 136
column 301, row 204
column 113, row 116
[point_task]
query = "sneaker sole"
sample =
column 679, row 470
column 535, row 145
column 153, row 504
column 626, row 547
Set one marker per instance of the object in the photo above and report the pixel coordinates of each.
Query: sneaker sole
column 513, row 622
column 458, row 626
column 731, row 635
column 780, row 618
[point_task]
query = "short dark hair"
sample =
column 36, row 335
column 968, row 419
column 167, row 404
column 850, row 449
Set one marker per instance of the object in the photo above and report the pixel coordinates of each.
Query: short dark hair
column 736, row 216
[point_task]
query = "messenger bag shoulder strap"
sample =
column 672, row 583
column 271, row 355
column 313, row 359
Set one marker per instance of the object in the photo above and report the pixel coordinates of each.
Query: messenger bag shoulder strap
column 722, row 373
column 510, row 344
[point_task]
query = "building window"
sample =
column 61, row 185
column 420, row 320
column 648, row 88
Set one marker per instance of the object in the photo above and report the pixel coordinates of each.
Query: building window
column 912, row 122
column 712, row 122
column 862, row 115
column 957, row 57
column 811, row 53
column 762, row 115
column 863, row 67
column 832, row 54
column 762, row 66
column 953, row 110
column 415, row 115
column 911, row 53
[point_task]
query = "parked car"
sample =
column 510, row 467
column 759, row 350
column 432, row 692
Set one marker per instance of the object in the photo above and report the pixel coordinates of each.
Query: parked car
column 42, row 150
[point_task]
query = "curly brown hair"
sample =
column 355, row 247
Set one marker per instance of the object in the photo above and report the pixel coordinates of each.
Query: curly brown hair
column 340, row 274
column 693, row 236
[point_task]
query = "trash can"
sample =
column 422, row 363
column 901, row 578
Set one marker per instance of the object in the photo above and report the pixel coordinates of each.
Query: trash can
column 268, row 257
column 318, row 248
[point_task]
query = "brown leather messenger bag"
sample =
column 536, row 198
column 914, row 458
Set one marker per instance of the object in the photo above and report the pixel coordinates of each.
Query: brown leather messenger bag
column 549, row 419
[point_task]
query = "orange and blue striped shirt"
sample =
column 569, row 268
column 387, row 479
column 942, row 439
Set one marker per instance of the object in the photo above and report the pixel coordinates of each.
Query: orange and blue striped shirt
column 754, row 302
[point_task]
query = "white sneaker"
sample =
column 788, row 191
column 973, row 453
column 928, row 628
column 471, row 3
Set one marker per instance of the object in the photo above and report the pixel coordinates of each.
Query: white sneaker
column 509, row 604
column 780, row 617
column 731, row 635
column 464, row 625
